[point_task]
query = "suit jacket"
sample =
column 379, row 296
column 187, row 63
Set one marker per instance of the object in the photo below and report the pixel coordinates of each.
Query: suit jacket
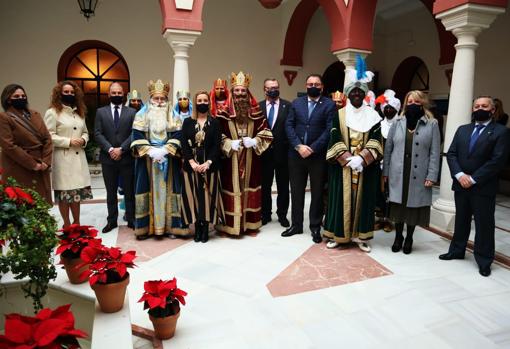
column 317, row 126
column 280, row 144
column 107, row 136
column 484, row 163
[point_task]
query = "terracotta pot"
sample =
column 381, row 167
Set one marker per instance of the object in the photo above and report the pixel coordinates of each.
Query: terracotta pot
column 73, row 274
column 164, row 327
column 111, row 296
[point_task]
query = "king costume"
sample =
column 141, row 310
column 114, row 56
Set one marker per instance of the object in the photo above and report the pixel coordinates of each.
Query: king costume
column 158, row 179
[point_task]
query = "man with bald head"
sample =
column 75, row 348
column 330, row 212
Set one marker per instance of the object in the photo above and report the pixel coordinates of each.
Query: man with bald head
column 477, row 154
column 112, row 131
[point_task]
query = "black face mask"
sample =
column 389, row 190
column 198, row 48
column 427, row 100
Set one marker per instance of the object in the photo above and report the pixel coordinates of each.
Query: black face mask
column 19, row 103
column 413, row 113
column 389, row 112
column 481, row 115
column 273, row 94
column 116, row 100
column 203, row 108
column 68, row 99
column 313, row 92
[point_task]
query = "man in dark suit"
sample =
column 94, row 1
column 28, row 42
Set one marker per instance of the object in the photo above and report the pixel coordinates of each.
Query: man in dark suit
column 307, row 126
column 477, row 154
column 112, row 131
column 274, row 159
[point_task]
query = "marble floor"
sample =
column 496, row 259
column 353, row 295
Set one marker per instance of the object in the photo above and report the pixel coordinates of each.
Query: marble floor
column 267, row 291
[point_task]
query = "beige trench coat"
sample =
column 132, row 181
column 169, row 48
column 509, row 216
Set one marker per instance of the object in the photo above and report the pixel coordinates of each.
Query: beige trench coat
column 70, row 168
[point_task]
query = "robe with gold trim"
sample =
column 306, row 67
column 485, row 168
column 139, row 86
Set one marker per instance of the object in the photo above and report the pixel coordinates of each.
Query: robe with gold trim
column 352, row 195
column 241, row 173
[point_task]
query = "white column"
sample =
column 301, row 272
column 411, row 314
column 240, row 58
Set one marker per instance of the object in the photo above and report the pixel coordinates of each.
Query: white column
column 465, row 22
column 348, row 58
column 180, row 41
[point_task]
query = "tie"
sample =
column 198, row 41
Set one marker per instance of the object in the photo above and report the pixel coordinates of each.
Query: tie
column 116, row 117
column 311, row 107
column 475, row 135
column 270, row 117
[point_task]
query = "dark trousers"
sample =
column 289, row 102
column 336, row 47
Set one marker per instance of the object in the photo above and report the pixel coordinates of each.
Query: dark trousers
column 482, row 208
column 111, row 175
column 299, row 170
column 271, row 168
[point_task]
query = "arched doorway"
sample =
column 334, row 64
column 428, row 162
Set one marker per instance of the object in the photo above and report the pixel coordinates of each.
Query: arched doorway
column 333, row 78
column 411, row 74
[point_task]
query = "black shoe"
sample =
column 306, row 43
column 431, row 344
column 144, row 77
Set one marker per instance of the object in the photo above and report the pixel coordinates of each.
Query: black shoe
column 198, row 232
column 449, row 256
column 292, row 231
column 397, row 244
column 131, row 225
column 205, row 233
column 109, row 227
column 142, row 237
column 266, row 220
column 316, row 236
column 485, row 271
column 408, row 246
column 284, row 222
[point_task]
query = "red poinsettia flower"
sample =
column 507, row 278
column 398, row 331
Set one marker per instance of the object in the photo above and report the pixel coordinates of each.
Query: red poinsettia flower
column 104, row 262
column 159, row 293
column 48, row 329
column 2, row 242
column 18, row 194
column 76, row 237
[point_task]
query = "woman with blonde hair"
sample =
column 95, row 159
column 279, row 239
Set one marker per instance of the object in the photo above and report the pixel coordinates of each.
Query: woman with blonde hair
column 200, row 143
column 411, row 166
column 70, row 173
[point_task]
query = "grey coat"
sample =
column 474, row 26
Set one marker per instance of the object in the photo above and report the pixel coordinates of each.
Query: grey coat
column 424, row 163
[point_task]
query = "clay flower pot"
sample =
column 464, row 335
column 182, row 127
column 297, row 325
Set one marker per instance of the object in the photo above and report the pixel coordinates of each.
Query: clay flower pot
column 111, row 296
column 73, row 273
column 164, row 327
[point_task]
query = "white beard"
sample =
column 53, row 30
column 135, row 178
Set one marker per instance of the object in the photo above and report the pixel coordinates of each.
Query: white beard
column 157, row 117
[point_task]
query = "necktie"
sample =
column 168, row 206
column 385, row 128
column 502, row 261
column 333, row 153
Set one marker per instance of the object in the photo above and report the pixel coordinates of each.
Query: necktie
column 311, row 107
column 270, row 117
column 116, row 117
column 475, row 135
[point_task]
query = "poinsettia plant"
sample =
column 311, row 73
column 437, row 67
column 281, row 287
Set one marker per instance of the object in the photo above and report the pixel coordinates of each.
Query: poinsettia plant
column 28, row 230
column 162, row 297
column 106, row 264
column 74, row 239
column 49, row 329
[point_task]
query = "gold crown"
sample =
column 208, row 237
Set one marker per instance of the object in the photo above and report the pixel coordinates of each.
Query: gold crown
column 240, row 79
column 220, row 82
column 337, row 95
column 158, row 87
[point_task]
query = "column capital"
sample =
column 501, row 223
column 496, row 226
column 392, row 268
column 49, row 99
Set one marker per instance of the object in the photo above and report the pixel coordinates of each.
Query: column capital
column 348, row 56
column 469, row 19
column 181, row 40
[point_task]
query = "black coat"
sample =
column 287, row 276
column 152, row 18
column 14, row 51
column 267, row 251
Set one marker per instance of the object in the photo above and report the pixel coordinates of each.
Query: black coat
column 280, row 143
column 107, row 136
column 212, row 143
column 484, row 163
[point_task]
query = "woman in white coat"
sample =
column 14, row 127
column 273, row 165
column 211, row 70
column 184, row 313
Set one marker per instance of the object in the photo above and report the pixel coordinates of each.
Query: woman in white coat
column 70, row 172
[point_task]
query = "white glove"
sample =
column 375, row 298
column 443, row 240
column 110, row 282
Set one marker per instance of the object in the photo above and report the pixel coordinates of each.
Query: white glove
column 249, row 142
column 236, row 144
column 152, row 152
column 355, row 162
column 159, row 154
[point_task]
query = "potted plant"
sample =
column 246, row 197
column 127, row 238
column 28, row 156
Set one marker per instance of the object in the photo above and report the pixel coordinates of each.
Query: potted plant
column 107, row 273
column 73, row 240
column 48, row 329
column 162, row 298
column 28, row 231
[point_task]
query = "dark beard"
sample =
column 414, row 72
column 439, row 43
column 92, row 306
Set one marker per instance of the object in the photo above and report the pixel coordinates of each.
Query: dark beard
column 242, row 106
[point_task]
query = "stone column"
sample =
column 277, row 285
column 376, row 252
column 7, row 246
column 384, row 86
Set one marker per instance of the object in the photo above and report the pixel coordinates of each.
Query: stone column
column 180, row 41
column 465, row 22
column 348, row 58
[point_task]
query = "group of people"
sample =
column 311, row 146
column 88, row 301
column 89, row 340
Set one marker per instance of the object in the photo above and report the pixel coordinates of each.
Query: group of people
column 210, row 161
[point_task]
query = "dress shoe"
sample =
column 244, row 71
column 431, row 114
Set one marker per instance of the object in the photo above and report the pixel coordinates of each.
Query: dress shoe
column 131, row 225
column 316, row 236
column 142, row 237
column 408, row 246
column 266, row 220
column 387, row 227
column 284, row 222
column 397, row 244
column 332, row 244
column 485, row 271
column 449, row 256
column 363, row 245
column 109, row 227
column 292, row 231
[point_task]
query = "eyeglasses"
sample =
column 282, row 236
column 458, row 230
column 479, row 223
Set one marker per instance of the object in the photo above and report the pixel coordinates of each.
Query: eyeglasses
column 317, row 84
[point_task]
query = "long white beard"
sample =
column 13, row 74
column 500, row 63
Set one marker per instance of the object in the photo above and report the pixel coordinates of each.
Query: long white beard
column 157, row 117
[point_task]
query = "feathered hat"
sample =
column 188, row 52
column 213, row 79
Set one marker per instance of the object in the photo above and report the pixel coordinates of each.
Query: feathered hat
column 359, row 77
column 388, row 98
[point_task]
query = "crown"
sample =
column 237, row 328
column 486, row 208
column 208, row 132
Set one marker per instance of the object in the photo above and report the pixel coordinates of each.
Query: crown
column 220, row 82
column 182, row 94
column 336, row 96
column 240, row 79
column 158, row 87
column 134, row 95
